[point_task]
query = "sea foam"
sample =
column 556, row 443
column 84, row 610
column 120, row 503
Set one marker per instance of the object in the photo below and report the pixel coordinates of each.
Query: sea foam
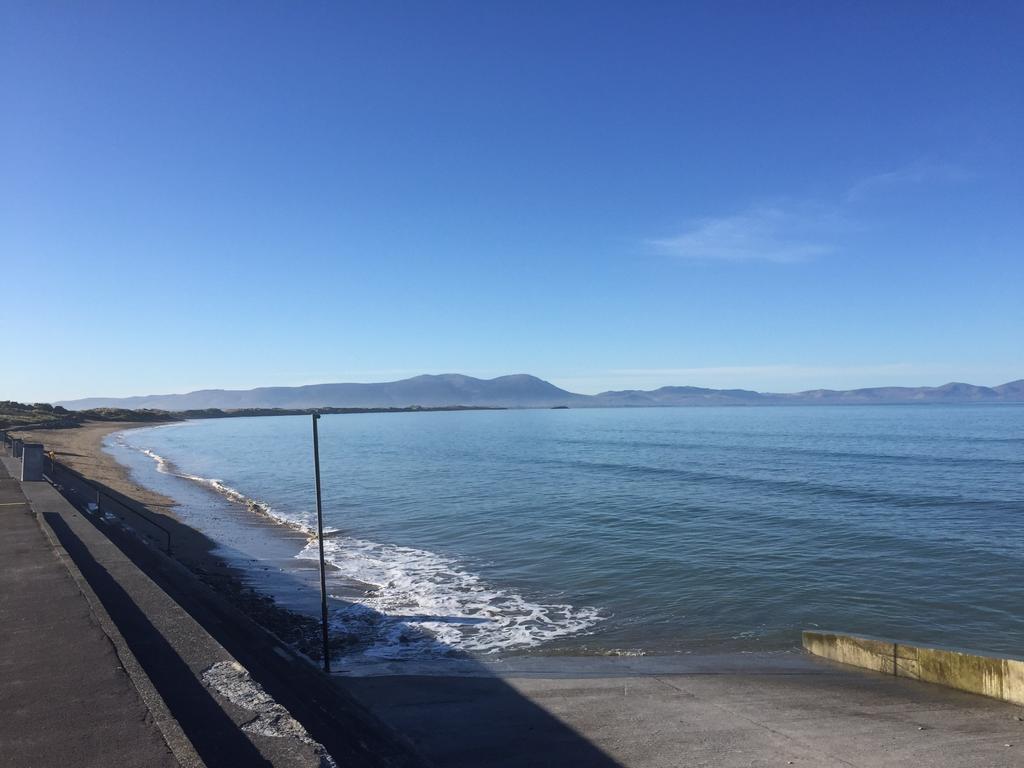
column 417, row 604
column 424, row 604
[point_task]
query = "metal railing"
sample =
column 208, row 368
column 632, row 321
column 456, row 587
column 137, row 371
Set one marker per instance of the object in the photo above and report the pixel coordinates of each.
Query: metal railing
column 78, row 488
column 73, row 484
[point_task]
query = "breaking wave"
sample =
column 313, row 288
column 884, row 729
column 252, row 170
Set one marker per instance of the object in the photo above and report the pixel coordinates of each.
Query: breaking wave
column 410, row 603
column 421, row 604
column 167, row 467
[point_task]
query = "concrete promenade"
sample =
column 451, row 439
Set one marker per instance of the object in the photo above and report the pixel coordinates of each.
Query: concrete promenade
column 733, row 711
column 65, row 698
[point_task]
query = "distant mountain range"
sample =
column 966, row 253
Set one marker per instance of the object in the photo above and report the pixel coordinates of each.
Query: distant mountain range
column 524, row 391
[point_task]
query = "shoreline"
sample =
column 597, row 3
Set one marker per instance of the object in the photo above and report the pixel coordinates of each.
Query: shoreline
column 252, row 590
column 255, row 567
column 81, row 448
column 263, row 551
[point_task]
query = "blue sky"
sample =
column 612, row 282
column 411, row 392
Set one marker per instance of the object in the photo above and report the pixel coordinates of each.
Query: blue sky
column 770, row 195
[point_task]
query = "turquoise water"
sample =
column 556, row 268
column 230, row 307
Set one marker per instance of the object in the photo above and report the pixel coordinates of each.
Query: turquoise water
column 640, row 530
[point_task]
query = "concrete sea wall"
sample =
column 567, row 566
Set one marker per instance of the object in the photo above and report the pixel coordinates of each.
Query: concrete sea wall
column 999, row 678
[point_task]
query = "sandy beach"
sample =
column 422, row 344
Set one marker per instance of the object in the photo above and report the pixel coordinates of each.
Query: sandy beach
column 81, row 449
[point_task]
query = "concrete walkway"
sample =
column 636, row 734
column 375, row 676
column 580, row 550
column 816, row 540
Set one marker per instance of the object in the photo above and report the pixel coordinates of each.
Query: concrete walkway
column 65, row 698
column 730, row 711
column 213, row 707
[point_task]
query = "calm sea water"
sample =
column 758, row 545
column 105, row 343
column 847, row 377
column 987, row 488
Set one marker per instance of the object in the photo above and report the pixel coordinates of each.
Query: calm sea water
column 646, row 530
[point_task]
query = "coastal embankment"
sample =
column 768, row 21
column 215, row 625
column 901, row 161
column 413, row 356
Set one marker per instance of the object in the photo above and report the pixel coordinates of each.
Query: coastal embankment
column 266, row 584
column 52, row 652
column 114, row 654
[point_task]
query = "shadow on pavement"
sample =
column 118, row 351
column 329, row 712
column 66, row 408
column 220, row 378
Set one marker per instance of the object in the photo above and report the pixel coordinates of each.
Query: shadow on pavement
column 471, row 719
column 213, row 734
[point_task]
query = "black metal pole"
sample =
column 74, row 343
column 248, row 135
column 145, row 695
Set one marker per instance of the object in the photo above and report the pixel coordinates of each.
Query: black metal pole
column 320, row 541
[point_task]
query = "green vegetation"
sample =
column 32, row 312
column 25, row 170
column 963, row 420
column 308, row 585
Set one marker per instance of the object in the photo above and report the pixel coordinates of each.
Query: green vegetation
column 126, row 414
column 14, row 414
column 45, row 416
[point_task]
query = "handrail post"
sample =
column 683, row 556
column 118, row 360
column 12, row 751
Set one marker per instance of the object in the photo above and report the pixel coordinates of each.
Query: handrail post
column 88, row 484
column 320, row 541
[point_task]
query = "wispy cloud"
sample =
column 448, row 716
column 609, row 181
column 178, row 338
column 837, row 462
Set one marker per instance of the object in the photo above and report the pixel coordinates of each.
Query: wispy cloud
column 782, row 234
column 790, row 231
column 919, row 173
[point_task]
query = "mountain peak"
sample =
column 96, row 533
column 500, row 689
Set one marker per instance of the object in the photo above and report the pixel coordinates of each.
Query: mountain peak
column 523, row 390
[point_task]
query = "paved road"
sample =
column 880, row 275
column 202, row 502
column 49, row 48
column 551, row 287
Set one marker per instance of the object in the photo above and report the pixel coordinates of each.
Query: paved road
column 65, row 699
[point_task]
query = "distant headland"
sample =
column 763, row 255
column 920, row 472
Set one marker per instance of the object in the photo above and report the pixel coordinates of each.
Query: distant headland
column 525, row 391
